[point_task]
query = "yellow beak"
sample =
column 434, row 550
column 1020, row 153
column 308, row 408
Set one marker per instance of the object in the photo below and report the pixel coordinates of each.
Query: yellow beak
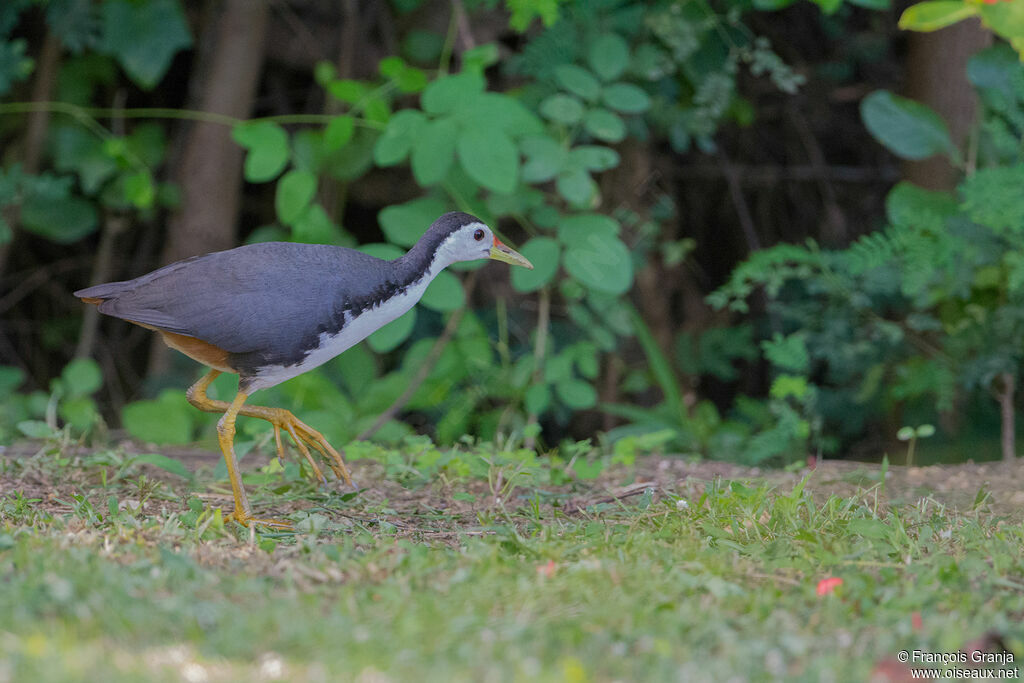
column 500, row 252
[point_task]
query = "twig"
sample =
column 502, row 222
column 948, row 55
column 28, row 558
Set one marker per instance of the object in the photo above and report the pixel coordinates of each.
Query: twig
column 465, row 31
column 628, row 492
column 428, row 365
column 833, row 214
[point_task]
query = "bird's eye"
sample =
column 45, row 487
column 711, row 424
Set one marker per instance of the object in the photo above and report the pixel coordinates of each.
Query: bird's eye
column 478, row 234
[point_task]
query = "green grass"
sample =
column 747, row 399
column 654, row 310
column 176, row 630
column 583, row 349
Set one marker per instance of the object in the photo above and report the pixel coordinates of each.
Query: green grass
column 431, row 582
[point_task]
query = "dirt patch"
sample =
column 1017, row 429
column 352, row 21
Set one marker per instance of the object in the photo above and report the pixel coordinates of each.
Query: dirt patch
column 435, row 507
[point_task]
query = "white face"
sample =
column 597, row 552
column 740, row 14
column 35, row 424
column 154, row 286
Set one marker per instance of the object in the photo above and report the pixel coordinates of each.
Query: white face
column 468, row 243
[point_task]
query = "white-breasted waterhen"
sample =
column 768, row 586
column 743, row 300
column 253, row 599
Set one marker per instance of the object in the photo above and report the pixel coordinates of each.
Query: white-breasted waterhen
column 271, row 311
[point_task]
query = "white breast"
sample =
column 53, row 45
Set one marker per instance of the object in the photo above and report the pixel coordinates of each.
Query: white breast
column 355, row 330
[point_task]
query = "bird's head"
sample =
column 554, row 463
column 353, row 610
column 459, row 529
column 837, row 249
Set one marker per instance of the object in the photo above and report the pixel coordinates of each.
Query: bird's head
column 462, row 237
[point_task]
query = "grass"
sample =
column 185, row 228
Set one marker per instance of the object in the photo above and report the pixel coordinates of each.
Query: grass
column 487, row 566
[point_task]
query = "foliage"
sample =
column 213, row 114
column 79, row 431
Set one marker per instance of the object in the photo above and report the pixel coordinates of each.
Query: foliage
column 928, row 312
column 1003, row 17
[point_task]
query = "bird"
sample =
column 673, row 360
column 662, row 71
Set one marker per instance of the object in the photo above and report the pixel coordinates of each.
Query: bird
column 271, row 311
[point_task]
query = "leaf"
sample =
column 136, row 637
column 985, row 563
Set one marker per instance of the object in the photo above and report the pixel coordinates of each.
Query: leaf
column 10, row 379
column 626, row 98
column 544, row 254
column 604, row 125
column 931, row 16
column 576, row 187
column 348, row 90
column 402, row 131
column 434, row 152
column 602, row 263
column 445, row 293
column 60, row 219
column 579, row 227
column 295, row 191
column 267, row 145
column 448, row 93
column 576, row 393
column 537, row 398
column 995, row 68
column 138, row 189
column 338, row 132
column 545, row 157
column 81, row 377
column 393, row 334
column 578, row 81
column 404, row 224
column 497, row 110
column 144, row 36
column 157, row 422
column 163, row 462
column 480, row 57
column 564, row 109
column 490, row 158
column 608, row 56
column 78, row 150
column 594, row 157
column 314, row 226
column 909, row 129
column 36, row 429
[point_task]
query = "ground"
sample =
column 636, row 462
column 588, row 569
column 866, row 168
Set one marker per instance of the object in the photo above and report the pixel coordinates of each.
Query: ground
column 495, row 565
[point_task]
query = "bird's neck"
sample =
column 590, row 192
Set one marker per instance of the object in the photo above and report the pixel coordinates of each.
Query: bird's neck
column 422, row 260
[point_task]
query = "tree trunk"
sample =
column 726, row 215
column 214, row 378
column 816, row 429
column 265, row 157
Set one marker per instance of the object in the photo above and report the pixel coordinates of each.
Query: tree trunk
column 209, row 170
column 937, row 77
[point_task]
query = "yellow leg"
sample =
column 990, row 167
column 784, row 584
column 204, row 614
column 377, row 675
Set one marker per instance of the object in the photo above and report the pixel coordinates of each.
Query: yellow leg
column 301, row 433
column 226, row 436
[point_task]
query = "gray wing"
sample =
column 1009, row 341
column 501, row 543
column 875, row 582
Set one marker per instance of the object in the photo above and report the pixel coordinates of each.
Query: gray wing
column 251, row 299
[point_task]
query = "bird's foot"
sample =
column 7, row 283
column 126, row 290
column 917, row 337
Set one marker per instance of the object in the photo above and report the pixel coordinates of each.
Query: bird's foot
column 246, row 519
column 303, row 435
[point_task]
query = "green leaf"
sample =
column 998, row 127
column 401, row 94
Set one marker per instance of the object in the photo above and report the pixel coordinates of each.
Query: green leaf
column 314, row 226
column 445, row 293
column 544, row 254
column 163, row 462
column 80, row 151
column 79, row 412
column 157, row 422
column 561, row 108
column 580, row 227
column 602, row 263
column 434, row 152
column 576, row 187
column 144, row 36
column 497, row 110
column 295, row 191
column 448, row 93
column 490, row 158
column 14, row 65
column 604, row 125
column 36, row 429
column 339, row 132
column 576, row 393
column 480, row 57
column 545, row 157
column 594, row 157
column 139, row 189
column 81, row 377
column 393, row 334
column 348, row 90
column 404, row 224
column 403, row 130
column 267, row 145
column 907, row 128
column 60, row 219
column 608, row 56
column 10, row 379
column 931, row 16
column 995, row 68
column 659, row 363
column 538, row 398
column 578, row 81
column 411, row 80
column 626, row 98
